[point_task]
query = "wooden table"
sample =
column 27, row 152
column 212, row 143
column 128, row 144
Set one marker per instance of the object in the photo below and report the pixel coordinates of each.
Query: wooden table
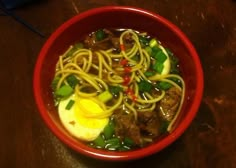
column 209, row 142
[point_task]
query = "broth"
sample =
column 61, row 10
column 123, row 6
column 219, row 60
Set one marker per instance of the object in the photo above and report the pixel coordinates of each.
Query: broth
column 130, row 83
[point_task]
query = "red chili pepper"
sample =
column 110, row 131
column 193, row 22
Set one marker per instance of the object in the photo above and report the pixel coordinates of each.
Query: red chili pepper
column 122, row 47
column 127, row 69
column 130, row 92
column 134, row 98
column 126, row 79
column 124, row 62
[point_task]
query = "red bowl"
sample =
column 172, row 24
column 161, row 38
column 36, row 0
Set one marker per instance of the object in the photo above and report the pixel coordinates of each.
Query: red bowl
column 118, row 17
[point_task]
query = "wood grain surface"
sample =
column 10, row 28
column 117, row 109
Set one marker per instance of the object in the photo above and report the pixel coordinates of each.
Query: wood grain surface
column 210, row 141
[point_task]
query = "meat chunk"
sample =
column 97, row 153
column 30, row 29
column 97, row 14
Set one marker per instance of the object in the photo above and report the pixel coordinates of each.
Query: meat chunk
column 170, row 103
column 110, row 41
column 126, row 127
column 91, row 42
column 149, row 123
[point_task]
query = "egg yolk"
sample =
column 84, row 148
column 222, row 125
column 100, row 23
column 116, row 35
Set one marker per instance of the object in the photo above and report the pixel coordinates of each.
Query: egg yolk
column 86, row 107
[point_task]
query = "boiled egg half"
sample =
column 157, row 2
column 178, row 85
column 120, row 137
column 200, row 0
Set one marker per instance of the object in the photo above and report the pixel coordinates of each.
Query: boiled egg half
column 78, row 121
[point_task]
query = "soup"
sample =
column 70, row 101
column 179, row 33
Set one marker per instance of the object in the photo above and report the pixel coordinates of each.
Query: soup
column 118, row 89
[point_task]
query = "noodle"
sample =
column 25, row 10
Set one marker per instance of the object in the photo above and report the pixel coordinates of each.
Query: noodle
column 100, row 69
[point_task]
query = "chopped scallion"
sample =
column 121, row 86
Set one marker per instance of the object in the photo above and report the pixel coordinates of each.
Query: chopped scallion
column 64, row 91
column 99, row 142
column 158, row 67
column 149, row 50
column 113, row 143
column 72, row 80
column 153, row 43
column 144, row 86
column 105, row 96
column 54, row 82
column 128, row 142
column 115, row 89
column 155, row 50
column 149, row 73
column 144, row 40
column 109, row 130
column 163, row 85
column 163, row 126
column 76, row 47
column 70, row 104
column 160, row 57
column 100, row 35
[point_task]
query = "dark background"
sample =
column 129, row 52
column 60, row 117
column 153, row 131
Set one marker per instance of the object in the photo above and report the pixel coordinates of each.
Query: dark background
column 26, row 142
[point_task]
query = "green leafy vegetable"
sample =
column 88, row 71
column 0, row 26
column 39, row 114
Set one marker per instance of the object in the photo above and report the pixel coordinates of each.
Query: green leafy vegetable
column 144, row 86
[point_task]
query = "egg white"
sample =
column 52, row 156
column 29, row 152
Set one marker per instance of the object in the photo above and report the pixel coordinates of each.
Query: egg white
column 83, row 128
column 166, row 69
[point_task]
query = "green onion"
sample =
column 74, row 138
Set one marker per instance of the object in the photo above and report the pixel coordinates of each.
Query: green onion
column 72, row 80
column 144, row 40
column 76, row 47
column 163, row 85
column 113, row 143
column 115, row 89
column 99, row 142
column 100, row 35
column 128, row 142
column 135, row 58
column 174, row 62
column 124, row 148
column 105, row 96
column 144, row 86
column 169, row 52
column 70, row 104
column 149, row 73
column 153, row 43
column 54, row 82
column 149, row 50
column 177, row 81
column 155, row 50
column 158, row 67
column 109, row 130
column 64, row 91
column 163, row 126
column 160, row 57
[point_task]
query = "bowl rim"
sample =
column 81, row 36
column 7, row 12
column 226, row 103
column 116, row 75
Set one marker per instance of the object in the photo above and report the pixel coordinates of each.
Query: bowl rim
column 118, row 156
